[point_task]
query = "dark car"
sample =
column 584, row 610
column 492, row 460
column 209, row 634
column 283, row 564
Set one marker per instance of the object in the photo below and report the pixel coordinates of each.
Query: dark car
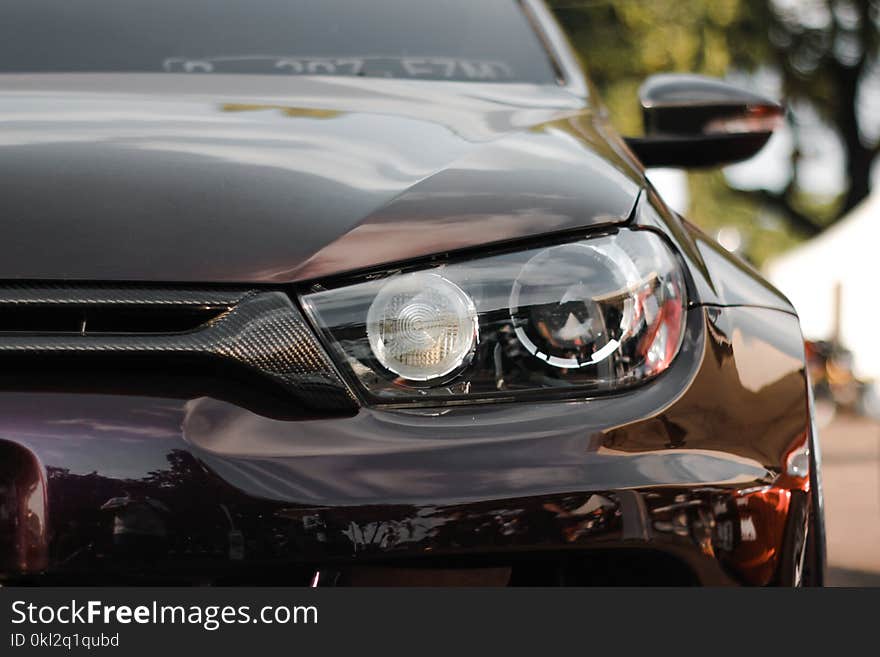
column 328, row 293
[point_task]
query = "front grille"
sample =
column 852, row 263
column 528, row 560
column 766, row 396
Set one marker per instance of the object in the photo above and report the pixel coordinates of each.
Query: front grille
column 251, row 333
column 54, row 310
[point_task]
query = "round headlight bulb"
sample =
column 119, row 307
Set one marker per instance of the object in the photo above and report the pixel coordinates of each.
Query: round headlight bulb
column 422, row 326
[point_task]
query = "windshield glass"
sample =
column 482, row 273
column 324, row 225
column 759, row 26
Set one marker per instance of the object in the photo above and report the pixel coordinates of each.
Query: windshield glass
column 485, row 40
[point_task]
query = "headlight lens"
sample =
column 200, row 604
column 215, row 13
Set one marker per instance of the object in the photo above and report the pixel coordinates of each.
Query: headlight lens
column 597, row 314
column 422, row 326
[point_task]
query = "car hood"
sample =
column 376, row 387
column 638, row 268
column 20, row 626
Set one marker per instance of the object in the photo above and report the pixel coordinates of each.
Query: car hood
column 266, row 179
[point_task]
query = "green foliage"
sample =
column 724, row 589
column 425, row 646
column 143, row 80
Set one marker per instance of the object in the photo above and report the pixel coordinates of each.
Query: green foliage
column 714, row 206
column 621, row 43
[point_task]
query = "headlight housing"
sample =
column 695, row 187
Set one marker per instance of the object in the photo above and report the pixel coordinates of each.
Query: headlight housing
column 597, row 314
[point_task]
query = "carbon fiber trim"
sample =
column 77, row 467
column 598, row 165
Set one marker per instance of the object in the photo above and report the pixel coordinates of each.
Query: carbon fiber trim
column 67, row 295
column 262, row 332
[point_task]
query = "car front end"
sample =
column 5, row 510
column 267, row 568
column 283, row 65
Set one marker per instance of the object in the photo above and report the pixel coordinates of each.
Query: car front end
column 340, row 330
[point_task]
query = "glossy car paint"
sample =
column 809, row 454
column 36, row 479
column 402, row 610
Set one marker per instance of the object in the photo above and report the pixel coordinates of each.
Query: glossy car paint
column 281, row 183
column 273, row 180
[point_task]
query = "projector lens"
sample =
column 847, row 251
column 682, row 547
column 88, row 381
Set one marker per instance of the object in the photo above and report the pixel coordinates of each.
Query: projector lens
column 571, row 305
column 422, row 326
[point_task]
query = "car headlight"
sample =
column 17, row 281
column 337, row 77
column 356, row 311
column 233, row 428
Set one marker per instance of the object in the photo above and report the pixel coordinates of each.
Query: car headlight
column 596, row 314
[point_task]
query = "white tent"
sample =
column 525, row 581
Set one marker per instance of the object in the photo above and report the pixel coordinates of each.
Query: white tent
column 844, row 260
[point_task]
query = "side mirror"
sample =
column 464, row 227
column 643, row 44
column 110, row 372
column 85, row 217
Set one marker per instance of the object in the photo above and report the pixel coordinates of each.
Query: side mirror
column 696, row 121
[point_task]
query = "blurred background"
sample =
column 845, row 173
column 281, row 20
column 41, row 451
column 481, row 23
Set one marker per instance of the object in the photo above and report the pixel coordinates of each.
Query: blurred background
column 805, row 211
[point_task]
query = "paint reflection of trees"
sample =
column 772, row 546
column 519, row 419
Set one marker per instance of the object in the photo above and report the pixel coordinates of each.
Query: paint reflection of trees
column 83, row 508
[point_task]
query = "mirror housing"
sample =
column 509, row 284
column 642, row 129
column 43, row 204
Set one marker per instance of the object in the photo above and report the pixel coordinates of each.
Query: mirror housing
column 697, row 121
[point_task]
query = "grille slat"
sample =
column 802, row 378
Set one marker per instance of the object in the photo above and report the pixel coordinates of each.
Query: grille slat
column 259, row 332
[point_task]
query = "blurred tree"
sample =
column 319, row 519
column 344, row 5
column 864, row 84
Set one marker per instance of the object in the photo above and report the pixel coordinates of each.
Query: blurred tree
column 824, row 51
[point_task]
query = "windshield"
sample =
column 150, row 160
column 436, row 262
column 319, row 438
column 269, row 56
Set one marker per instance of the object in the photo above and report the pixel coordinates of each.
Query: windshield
column 485, row 40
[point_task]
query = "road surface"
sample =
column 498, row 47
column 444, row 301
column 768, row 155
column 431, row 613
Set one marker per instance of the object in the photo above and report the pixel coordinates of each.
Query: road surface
column 851, row 470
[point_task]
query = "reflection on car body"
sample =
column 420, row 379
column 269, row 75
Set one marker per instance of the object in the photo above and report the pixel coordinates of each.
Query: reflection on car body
column 433, row 68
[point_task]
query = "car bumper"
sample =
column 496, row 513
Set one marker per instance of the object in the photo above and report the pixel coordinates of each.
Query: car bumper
column 696, row 477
